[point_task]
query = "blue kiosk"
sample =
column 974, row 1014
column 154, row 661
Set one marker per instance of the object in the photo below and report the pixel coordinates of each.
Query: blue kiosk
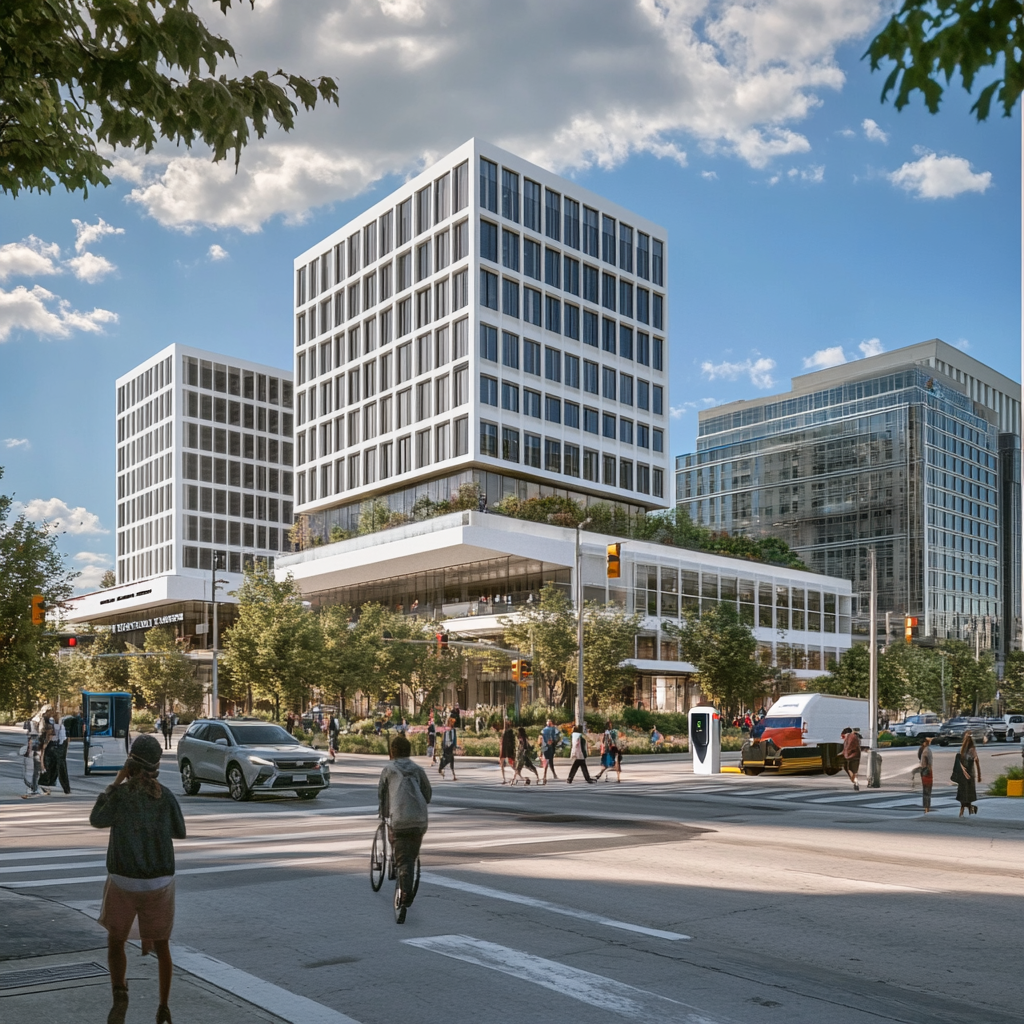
column 108, row 718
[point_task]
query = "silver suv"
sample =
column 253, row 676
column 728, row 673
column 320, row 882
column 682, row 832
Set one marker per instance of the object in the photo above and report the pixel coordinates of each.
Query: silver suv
column 249, row 756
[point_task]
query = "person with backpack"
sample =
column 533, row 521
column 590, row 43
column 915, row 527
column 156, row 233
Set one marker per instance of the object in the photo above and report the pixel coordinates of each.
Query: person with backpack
column 524, row 758
column 578, row 753
column 403, row 793
column 610, row 756
column 144, row 819
column 550, row 738
column 449, row 741
column 333, row 732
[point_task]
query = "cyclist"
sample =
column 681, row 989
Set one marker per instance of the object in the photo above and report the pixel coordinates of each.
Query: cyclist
column 402, row 795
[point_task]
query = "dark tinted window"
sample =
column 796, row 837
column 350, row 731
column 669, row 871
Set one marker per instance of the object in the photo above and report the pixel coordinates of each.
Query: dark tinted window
column 257, row 735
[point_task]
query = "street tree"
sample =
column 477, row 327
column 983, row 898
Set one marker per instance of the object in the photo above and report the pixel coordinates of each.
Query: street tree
column 385, row 648
column 969, row 683
column 722, row 648
column 609, row 638
column 29, row 564
column 546, row 633
column 929, row 40
column 275, row 646
column 909, row 678
column 108, row 674
column 78, row 75
column 165, row 677
column 108, row 580
column 1012, row 686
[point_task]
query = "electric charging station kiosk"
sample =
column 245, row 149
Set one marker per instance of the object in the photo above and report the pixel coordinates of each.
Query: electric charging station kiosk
column 705, row 735
column 107, row 740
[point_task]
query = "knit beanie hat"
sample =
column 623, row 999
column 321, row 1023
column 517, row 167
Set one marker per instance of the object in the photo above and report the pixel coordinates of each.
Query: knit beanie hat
column 146, row 752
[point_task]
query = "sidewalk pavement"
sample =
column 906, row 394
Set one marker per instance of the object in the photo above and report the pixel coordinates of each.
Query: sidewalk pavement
column 67, row 980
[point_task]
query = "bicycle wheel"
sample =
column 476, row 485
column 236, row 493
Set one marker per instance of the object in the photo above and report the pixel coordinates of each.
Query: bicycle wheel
column 416, row 880
column 378, row 857
column 392, row 865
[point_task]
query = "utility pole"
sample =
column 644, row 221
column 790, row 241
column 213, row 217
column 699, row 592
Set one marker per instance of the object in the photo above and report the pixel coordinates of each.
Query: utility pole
column 888, row 620
column 214, row 699
column 580, row 704
column 874, row 758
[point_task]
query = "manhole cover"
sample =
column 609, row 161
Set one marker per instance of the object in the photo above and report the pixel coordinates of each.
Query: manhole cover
column 50, row 975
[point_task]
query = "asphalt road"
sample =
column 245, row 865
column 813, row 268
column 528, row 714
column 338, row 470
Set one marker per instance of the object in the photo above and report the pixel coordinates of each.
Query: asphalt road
column 667, row 897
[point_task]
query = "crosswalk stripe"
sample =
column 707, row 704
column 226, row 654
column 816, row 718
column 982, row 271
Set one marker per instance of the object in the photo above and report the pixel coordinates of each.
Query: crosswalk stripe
column 552, row 908
column 593, row 989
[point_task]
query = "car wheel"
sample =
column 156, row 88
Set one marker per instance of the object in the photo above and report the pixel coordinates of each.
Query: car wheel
column 307, row 794
column 189, row 784
column 238, row 788
column 1011, row 736
column 752, row 771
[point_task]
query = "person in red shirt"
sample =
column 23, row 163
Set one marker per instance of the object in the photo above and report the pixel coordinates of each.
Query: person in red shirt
column 851, row 754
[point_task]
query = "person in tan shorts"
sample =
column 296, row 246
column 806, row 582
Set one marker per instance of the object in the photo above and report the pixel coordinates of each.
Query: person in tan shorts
column 144, row 819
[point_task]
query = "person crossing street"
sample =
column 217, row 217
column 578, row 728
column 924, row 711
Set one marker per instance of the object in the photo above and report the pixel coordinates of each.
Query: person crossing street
column 550, row 737
column 449, row 741
column 403, row 793
column 578, row 753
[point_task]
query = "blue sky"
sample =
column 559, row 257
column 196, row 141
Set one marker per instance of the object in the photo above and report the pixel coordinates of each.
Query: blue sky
column 802, row 219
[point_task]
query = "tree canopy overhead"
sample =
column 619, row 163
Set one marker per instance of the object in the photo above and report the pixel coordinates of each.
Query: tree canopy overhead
column 929, row 40
column 78, row 73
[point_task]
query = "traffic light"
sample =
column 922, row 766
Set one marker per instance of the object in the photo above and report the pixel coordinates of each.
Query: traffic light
column 515, row 670
column 69, row 641
column 525, row 673
column 910, row 632
column 613, row 561
column 38, row 610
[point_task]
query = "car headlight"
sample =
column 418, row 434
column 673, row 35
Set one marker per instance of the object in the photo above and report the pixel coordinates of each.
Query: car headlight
column 253, row 759
column 324, row 762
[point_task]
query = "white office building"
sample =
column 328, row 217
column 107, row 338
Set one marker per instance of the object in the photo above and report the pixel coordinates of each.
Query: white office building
column 204, row 460
column 489, row 322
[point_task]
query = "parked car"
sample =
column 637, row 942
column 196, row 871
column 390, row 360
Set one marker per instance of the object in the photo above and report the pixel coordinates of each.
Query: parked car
column 953, row 730
column 916, row 726
column 1014, row 726
column 249, row 756
column 999, row 729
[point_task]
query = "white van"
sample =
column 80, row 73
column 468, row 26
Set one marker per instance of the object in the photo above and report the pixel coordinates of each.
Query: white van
column 1014, row 726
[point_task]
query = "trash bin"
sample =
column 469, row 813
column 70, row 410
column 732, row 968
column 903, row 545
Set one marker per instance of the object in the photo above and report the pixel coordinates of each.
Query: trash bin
column 1015, row 787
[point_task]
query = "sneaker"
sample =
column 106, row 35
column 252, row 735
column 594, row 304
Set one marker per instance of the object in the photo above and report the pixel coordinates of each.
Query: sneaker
column 46, row 792
column 856, row 787
column 29, row 796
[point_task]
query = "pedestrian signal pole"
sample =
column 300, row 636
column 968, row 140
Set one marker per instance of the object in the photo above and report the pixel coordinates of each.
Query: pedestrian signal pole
column 580, row 705
column 874, row 759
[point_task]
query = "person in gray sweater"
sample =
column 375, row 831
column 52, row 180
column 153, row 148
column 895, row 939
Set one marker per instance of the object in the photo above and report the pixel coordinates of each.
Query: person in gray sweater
column 144, row 819
column 403, row 793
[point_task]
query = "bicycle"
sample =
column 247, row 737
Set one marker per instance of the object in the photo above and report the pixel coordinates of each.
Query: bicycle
column 382, row 860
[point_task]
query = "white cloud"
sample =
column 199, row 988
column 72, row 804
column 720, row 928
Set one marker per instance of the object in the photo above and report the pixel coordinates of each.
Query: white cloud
column 759, row 370
column 91, row 268
column 814, row 174
column 963, row 344
column 16, row 442
column 89, row 579
column 216, row 253
column 709, row 175
column 91, row 558
column 679, row 411
column 940, row 177
column 89, row 233
column 872, row 131
column 871, row 347
column 824, row 358
column 61, row 516
column 29, row 258
column 32, row 310
column 734, row 77
column 847, row 133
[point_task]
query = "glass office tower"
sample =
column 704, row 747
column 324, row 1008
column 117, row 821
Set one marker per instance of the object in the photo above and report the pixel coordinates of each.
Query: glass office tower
column 914, row 452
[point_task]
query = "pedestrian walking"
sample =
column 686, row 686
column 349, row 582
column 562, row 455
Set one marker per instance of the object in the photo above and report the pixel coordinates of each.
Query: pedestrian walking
column 964, row 767
column 851, row 755
column 47, row 755
column 289, row 723
column 402, row 728
column 32, row 766
column 550, row 737
column 524, row 758
column 656, row 738
column 59, row 748
column 432, row 739
column 167, row 728
column 449, row 741
column 333, row 731
column 578, row 753
column 507, row 751
column 403, row 793
column 610, row 756
column 144, row 820
column 927, row 773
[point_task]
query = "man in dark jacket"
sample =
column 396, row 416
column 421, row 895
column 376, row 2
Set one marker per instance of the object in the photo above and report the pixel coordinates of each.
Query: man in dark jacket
column 402, row 796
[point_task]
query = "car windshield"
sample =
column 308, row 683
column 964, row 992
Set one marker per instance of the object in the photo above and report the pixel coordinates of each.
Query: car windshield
column 261, row 735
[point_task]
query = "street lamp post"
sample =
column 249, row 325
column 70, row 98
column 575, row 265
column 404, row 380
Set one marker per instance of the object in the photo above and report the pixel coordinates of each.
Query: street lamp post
column 580, row 705
column 214, row 699
column 874, row 758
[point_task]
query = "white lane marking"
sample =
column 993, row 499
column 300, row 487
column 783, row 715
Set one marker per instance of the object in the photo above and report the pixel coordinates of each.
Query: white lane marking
column 217, row 869
column 551, row 908
column 288, row 1005
column 861, row 884
column 592, row 989
column 85, row 851
column 49, row 867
